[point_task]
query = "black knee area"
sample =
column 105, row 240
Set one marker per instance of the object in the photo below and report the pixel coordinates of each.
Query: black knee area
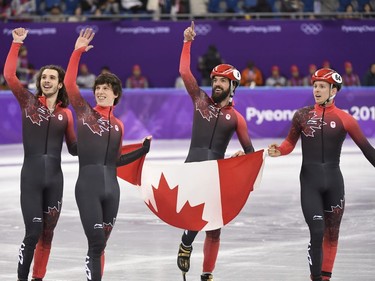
column 32, row 236
column 97, row 244
column 317, row 234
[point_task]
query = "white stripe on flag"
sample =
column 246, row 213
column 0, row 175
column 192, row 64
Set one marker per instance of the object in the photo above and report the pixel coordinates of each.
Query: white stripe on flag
column 197, row 183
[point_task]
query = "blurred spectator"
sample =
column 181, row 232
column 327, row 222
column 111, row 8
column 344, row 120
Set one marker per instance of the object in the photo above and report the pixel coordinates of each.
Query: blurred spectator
column 251, row 76
column 87, row 7
column 367, row 10
column 24, row 72
column 52, row 7
column 326, row 64
column 23, row 7
column 136, row 80
column 109, row 7
column 257, row 6
column 55, row 14
column 349, row 78
column 165, row 6
column 276, row 79
column 329, row 6
column 214, row 6
column 295, row 77
column 3, row 84
column 369, row 78
column 33, row 77
column 291, row 6
column 85, row 78
column 207, row 62
column 350, row 12
column 307, row 78
column 105, row 69
column 5, row 10
column 179, row 83
column 180, row 7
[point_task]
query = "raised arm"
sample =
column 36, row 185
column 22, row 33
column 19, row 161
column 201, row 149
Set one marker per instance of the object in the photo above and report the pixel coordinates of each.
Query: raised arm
column 82, row 45
column 10, row 68
column 185, row 72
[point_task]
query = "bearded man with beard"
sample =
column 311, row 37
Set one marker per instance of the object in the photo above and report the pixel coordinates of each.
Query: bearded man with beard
column 215, row 121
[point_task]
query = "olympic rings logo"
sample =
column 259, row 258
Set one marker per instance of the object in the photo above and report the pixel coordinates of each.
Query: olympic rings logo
column 311, row 28
column 94, row 28
column 202, row 29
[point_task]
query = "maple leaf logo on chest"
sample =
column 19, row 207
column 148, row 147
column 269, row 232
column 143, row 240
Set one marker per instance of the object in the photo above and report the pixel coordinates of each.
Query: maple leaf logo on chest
column 37, row 114
column 97, row 125
column 313, row 124
column 206, row 110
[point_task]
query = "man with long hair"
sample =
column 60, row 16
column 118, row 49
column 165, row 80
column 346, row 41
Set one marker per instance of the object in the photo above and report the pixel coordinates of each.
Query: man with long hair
column 46, row 120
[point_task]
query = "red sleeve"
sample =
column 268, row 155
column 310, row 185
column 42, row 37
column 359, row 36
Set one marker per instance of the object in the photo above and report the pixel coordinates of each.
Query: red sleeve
column 185, row 72
column 70, row 136
column 122, row 137
column 355, row 132
column 243, row 135
column 10, row 76
column 70, row 80
column 290, row 142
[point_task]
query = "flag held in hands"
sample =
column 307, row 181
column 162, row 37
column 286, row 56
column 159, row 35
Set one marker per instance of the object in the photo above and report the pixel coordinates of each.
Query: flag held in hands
column 199, row 195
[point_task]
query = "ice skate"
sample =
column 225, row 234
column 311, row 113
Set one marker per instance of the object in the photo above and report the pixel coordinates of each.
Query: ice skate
column 183, row 259
column 207, row 277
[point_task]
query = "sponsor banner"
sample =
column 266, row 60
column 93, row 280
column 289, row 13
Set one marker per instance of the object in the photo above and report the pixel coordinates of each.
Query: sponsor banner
column 168, row 113
column 156, row 45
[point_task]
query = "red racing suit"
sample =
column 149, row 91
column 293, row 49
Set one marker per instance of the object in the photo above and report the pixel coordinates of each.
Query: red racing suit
column 41, row 176
column 323, row 131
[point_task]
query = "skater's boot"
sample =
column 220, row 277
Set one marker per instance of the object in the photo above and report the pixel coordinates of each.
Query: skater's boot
column 183, row 258
column 207, row 277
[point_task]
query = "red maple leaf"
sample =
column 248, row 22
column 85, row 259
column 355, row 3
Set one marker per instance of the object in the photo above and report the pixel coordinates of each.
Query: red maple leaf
column 166, row 201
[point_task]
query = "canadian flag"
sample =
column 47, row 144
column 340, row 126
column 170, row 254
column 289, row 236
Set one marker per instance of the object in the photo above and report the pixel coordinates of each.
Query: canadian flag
column 199, row 195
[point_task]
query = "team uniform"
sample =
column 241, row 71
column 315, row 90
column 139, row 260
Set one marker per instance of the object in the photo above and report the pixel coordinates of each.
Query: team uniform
column 43, row 133
column 213, row 127
column 323, row 130
column 99, row 151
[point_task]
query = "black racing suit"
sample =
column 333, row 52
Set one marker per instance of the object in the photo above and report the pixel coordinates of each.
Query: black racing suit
column 99, row 151
column 213, row 128
column 41, row 176
column 323, row 131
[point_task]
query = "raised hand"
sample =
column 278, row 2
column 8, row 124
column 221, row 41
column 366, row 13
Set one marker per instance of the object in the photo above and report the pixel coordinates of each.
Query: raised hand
column 189, row 33
column 84, row 39
column 19, row 34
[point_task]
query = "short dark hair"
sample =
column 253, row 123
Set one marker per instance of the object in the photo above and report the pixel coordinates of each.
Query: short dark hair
column 110, row 79
column 62, row 95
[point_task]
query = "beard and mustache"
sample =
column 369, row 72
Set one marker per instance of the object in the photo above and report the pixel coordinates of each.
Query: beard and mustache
column 219, row 97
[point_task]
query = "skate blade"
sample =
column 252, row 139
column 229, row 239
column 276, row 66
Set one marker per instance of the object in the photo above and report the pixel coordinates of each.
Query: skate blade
column 184, row 276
